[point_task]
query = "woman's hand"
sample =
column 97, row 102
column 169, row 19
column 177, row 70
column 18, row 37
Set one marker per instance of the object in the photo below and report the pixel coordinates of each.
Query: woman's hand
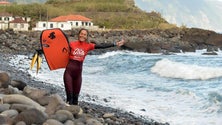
column 120, row 43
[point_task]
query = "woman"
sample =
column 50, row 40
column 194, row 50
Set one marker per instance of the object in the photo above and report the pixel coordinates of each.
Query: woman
column 73, row 72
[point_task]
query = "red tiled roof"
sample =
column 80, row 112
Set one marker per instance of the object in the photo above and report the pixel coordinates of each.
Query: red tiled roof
column 18, row 20
column 5, row 14
column 4, row 2
column 70, row 18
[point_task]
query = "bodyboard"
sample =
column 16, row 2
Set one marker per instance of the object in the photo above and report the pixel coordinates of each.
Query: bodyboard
column 55, row 46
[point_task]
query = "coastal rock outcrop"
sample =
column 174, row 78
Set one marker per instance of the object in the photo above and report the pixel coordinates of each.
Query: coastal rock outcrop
column 149, row 41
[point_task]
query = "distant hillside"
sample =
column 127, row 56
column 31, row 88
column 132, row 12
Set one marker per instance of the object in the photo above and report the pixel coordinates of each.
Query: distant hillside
column 111, row 14
column 27, row 1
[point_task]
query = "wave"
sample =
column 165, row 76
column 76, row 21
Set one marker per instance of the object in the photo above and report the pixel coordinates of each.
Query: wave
column 215, row 97
column 215, row 103
column 114, row 53
column 171, row 69
column 109, row 54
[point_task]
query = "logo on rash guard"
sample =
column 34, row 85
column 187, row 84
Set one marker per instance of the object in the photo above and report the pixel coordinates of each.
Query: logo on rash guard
column 78, row 52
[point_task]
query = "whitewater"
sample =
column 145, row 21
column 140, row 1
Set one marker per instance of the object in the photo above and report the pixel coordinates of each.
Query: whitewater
column 181, row 89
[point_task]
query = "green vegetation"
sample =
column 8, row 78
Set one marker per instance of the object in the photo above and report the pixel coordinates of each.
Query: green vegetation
column 112, row 14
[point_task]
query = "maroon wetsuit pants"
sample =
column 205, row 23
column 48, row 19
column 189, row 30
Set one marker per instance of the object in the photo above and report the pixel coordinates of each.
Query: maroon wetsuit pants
column 73, row 77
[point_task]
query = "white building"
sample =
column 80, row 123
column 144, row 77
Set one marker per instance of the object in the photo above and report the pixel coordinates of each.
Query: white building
column 4, row 3
column 42, row 25
column 16, row 23
column 65, row 23
column 4, row 20
column 19, row 24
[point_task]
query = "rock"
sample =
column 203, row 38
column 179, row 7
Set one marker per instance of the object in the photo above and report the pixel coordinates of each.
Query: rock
column 44, row 100
column 108, row 115
column 31, row 116
column 4, row 107
column 20, row 123
column 4, row 120
column 210, row 53
column 4, row 80
column 13, row 90
column 54, row 103
column 69, row 122
column 64, row 115
column 34, row 93
column 18, row 84
column 92, row 121
column 21, row 107
column 52, row 122
column 74, row 109
column 10, row 113
column 16, row 98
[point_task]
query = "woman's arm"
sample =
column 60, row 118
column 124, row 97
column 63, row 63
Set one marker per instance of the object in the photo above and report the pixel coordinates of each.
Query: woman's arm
column 108, row 45
column 104, row 45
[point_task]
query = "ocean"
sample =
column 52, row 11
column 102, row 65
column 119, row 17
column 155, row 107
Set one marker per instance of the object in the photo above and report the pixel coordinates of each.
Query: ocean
column 181, row 89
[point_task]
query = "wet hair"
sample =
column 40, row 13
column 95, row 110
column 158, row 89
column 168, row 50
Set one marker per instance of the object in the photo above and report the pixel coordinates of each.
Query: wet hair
column 86, row 31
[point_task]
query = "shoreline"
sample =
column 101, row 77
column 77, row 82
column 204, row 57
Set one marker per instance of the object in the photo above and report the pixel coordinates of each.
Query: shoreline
column 93, row 109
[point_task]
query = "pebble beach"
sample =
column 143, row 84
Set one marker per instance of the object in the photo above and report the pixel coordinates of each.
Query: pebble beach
column 46, row 103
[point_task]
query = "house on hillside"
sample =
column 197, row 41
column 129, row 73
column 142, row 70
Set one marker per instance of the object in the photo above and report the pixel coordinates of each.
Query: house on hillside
column 7, row 21
column 19, row 24
column 4, row 3
column 4, row 20
column 66, row 23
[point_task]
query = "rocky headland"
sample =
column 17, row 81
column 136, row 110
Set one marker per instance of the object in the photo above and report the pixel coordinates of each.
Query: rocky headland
column 149, row 41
